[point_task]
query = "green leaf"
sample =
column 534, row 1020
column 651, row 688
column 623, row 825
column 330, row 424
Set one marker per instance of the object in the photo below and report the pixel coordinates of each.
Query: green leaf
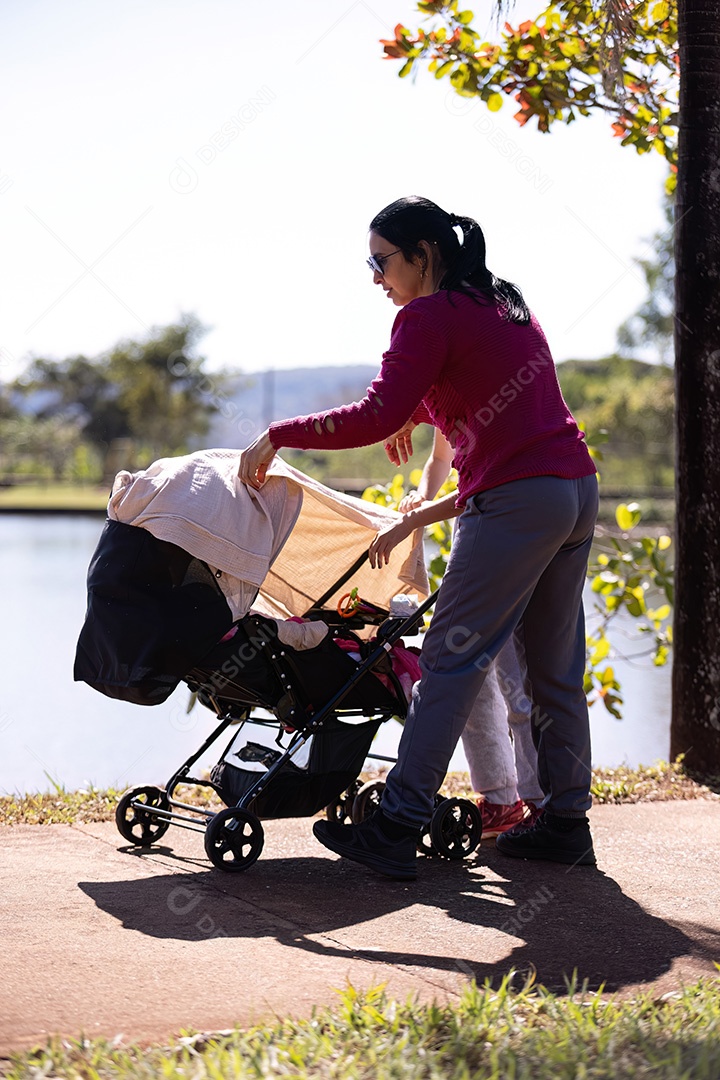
column 600, row 652
column 660, row 11
column 438, row 566
column 608, row 577
column 627, row 516
column 611, row 702
column 494, row 102
column 444, row 68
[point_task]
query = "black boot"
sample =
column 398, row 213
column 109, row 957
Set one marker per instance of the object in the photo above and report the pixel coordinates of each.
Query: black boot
column 558, row 839
column 391, row 851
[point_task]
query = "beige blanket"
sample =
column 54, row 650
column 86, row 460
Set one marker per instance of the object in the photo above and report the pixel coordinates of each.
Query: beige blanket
column 292, row 539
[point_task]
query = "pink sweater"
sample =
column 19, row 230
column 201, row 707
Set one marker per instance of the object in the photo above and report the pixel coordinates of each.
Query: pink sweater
column 489, row 385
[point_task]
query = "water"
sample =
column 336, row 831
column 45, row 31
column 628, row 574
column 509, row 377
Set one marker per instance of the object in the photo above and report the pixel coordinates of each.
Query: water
column 53, row 730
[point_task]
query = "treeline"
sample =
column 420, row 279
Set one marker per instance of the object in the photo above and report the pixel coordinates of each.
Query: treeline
column 633, row 403
column 78, row 418
column 83, row 418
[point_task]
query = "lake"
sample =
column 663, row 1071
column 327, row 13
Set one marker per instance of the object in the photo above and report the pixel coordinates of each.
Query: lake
column 53, row 730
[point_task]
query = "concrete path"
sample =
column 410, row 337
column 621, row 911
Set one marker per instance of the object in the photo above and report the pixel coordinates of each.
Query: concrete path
column 100, row 939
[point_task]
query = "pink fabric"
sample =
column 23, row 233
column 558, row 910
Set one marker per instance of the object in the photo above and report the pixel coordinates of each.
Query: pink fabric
column 404, row 663
column 406, row 666
column 488, row 384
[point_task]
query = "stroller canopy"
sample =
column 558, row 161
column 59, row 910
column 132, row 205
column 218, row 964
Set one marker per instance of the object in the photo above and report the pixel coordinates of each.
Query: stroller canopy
column 292, row 539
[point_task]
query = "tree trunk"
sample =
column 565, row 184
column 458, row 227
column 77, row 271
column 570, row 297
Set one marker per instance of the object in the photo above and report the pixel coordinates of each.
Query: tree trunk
column 695, row 729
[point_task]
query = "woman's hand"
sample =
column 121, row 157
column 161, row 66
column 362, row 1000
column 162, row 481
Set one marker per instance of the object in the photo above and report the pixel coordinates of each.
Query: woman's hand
column 412, row 501
column 399, row 447
column 254, row 461
column 386, row 540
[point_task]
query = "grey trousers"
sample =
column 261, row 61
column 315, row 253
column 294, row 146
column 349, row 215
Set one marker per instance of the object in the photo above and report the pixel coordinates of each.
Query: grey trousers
column 517, row 564
column 497, row 737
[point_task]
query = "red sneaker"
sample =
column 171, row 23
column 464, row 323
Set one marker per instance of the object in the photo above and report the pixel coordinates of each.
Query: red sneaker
column 531, row 813
column 498, row 818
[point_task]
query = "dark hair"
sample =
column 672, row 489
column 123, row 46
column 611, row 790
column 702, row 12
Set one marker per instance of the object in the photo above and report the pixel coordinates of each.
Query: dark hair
column 407, row 221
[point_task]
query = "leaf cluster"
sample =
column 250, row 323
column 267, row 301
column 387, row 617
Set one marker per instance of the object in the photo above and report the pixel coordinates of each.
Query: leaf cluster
column 575, row 57
column 624, row 580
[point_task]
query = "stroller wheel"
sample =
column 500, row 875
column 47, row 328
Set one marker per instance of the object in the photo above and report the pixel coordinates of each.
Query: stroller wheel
column 456, row 828
column 367, row 800
column 341, row 809
column 137, row 825
column 425, row 845
column 234, row 839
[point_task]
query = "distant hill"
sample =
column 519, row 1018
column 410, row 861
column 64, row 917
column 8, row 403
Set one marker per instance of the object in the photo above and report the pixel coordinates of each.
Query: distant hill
column 251, row 402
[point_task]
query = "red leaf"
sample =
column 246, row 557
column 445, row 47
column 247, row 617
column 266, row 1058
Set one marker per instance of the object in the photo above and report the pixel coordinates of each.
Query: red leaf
column 392, row 50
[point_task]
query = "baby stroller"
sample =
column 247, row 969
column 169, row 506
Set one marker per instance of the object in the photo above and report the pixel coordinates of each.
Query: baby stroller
column 159, row 613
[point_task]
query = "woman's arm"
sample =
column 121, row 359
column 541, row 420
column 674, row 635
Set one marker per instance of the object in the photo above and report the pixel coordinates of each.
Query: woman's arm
column 426, row 514
column 434, row 474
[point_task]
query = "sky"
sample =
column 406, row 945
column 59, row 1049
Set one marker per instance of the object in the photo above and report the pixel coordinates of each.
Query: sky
column 225, row 158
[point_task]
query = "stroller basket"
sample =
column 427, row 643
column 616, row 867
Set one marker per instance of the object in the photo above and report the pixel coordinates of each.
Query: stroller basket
column 335, row 759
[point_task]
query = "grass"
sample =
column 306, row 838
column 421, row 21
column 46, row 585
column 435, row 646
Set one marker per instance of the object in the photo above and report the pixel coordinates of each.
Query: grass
column 526, row 1033
column 54, row 496
column 61, row 807
column 660, row 782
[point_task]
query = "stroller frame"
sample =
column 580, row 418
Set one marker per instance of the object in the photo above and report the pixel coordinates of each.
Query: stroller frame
column 234, row 836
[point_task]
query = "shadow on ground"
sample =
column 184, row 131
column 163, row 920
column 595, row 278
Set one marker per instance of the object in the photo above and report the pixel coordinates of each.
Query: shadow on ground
column 538, row 917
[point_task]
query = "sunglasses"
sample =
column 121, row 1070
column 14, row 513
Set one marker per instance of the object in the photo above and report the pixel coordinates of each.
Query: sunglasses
column 377, row 262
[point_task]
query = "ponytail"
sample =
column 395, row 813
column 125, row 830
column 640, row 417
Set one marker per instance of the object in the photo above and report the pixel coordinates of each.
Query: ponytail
column 408, row 221
column 468, row 268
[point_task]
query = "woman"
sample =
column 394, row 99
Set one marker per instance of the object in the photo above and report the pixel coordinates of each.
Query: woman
column 467, row 356
column 497, row 737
